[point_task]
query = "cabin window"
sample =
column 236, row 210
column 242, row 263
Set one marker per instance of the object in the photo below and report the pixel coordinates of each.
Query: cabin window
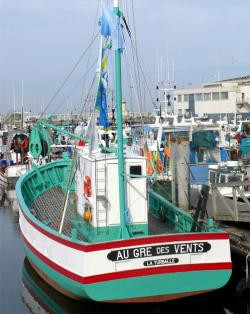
column 222, row 178
column 179, row 98
column 186, row 97
column 224, row 95
column 135, row 170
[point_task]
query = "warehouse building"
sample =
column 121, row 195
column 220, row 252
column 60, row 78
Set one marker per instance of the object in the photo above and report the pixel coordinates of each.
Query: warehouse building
column 225, row 98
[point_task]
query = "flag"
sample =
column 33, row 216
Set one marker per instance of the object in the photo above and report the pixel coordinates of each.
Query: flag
column 91, row 133
column 110, row 27
column 101, row 104
column 101, row 99
column 159, row 163
column 148, row 155
column 167, row 148
column 159, row 136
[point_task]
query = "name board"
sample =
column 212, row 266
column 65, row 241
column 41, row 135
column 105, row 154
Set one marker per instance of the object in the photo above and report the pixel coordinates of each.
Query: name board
column 163, row 261
column 159, row 250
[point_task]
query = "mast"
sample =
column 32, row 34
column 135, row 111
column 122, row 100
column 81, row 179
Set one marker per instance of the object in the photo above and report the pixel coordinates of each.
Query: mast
column 22, row 107
column 122, row 200
column 14, row 103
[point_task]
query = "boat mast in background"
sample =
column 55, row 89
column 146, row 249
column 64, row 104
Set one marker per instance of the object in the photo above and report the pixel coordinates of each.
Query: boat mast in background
column 14, row 104
column 22, row 107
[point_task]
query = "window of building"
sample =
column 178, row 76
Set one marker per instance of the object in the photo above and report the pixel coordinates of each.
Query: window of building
column 198, row 97
column 216, row 96
column 179, row 98
column 186, row 97
column 135, row 170
column 207, row 96
column 179, row 112
column 234, row 178
column 222, row 178
column 224, row 95
column 212, row 176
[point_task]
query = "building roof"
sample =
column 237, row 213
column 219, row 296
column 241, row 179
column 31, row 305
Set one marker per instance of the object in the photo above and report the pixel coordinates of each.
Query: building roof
column 240, row 78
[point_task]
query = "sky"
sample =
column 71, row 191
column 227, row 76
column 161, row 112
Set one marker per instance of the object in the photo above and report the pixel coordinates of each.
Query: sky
column 41, row 40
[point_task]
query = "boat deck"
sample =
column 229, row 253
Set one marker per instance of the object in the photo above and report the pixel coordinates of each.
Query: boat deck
column 48, row 208
column 155, row 226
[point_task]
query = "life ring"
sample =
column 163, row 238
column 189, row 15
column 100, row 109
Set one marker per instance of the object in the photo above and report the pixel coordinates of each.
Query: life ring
column 87, row 186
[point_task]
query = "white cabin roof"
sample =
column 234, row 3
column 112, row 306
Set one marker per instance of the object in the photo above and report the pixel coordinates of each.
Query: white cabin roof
column 98, row 155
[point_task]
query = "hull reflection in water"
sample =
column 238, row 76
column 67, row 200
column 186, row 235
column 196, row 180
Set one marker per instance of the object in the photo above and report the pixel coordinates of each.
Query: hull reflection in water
column 40, row 298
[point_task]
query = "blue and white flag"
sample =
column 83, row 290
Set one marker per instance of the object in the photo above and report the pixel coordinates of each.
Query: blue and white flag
column 101, row 104
column 101, row 99
column 110, row 27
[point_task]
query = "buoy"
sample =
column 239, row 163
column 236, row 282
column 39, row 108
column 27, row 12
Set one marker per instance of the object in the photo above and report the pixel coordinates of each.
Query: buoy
column 87, row 213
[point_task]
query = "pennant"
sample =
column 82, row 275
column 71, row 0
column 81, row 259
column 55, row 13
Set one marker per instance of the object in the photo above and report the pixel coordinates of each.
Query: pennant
column 148, row 155
column 167, row 148
column 91, row 133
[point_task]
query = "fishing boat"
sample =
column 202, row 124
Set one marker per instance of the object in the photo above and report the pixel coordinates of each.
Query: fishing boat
column 94, row 229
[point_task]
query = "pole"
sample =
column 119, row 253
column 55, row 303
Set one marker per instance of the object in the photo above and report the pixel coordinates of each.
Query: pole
column 14, row 103
column 22, row 108
column 124, row 232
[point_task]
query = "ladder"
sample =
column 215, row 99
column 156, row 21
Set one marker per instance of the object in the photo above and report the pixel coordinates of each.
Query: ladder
column 101, row 195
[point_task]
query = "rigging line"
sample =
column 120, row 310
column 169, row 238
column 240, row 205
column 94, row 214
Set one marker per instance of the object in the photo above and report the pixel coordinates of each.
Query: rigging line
column 90, row 89
column 136, row 72
column 74, row 87
column 136, row 50
column 136, row 84
column 136, row 95
column 68, row 76
column 74, row 160
column 129, row 83
column 84, row 89
column 144, row 77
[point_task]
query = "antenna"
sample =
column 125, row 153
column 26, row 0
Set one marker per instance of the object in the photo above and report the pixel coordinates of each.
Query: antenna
column 168, row 67
column 14, row 104
column 173, row 65
column 161, row 62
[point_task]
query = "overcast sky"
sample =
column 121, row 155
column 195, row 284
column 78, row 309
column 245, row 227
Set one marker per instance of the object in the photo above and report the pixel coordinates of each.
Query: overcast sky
column 42, row 39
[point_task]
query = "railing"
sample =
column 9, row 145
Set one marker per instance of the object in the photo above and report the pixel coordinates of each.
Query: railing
column 173, row 216
column 39, row 180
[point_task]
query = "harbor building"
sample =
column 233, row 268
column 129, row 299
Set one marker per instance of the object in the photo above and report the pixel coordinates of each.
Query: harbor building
column 224, row 98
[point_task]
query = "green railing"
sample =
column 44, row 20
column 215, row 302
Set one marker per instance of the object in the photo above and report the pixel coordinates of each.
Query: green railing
column 176, row 218
column 40, row 179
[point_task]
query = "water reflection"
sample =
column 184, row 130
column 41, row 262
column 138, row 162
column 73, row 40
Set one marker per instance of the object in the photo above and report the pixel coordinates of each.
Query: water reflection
column 39, row 297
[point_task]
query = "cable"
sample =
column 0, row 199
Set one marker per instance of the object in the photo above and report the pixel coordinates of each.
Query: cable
column 84, row 89
column 68, row 76
column 74, row 87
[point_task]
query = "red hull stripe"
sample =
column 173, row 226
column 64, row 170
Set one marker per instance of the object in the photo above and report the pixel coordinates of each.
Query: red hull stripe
column 131, row 242
column 127, row 273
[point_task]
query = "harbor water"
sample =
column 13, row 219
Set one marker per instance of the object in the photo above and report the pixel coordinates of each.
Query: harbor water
column 23, row 291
